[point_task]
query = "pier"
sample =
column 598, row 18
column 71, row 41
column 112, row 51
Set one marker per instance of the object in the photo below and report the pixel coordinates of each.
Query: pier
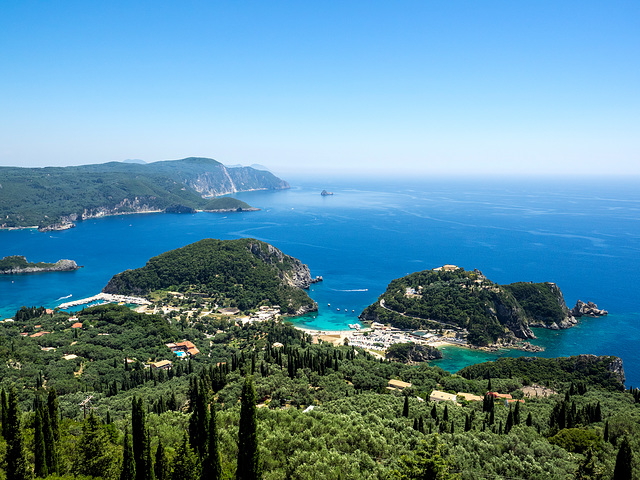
column 107, row 298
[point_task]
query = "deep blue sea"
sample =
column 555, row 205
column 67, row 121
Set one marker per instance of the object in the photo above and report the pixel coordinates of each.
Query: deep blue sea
column 583, row 234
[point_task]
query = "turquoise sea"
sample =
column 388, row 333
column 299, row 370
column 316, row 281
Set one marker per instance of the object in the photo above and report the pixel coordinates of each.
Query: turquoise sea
column 583, row 234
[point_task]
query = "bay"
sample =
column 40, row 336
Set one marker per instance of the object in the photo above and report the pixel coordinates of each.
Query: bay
column 583, row 235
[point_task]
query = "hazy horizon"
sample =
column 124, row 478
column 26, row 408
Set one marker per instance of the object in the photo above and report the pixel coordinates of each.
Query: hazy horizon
column 417, row 88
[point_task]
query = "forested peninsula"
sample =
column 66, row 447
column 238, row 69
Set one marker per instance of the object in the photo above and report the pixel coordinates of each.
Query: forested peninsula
column 244, row 274
column 56, row 197
column 477, row 309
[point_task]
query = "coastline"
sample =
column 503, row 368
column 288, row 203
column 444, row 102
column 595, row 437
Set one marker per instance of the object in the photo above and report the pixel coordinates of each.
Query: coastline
column 69, row 225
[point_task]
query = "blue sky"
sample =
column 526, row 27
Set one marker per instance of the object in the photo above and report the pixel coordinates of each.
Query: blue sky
column 426, row 87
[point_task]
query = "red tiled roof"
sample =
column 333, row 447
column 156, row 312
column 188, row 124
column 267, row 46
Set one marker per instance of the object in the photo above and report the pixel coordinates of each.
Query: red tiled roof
column 76, row 325
column 39, row 334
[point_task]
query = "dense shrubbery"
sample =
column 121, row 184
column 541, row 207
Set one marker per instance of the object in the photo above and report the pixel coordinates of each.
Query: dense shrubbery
column 579, row 369
column 540, row 301
column 224, row 270
column 462, row 299
column 358, row 428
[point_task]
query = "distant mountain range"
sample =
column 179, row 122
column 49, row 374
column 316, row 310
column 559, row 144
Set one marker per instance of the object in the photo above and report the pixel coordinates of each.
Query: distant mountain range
column 58, row 196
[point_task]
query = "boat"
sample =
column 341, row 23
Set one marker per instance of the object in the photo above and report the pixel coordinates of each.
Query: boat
column 324, row 193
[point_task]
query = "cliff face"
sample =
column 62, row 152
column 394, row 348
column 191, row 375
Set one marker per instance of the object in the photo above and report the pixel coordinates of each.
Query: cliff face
column 543, row 304
column 513, row 318
column 224, row 180
column 290, row 270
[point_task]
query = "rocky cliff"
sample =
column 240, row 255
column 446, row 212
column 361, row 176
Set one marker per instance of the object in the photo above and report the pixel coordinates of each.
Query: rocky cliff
column 290, row 270
column 588, row 309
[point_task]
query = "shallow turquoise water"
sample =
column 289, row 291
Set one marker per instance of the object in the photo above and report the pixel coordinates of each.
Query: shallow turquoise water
column 583, row 236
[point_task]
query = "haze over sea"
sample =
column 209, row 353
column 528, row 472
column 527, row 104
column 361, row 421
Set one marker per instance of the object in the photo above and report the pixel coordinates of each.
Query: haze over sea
column 583, row 235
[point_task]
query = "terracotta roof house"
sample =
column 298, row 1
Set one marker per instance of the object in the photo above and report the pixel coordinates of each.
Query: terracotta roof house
column 39, row 334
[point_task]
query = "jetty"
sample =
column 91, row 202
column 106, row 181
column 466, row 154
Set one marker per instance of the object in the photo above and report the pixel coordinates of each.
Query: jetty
column 106, row 298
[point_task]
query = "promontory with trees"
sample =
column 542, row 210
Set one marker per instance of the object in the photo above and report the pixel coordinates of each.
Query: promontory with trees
column 56, row 197
column 244, row 273
column 467, row 301
column 110, row 393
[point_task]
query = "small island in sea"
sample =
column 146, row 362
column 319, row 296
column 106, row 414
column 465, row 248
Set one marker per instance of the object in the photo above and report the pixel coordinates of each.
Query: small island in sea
column 18, row 264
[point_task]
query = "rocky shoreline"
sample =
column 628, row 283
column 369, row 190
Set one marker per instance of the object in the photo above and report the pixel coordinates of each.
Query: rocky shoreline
column 63, row 265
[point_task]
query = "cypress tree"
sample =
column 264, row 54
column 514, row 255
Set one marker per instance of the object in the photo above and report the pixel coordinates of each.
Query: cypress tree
column 623, row 470
column 141, row 447
column 185, row 463
column 516, row 414
column 509, row 423
column 5, row 408
column 529, row 420
column 40, row 460
column 248, row 454
column 172, row 404
column 16, row 458
column 128, row 471
column 598, row 413
column 54, row 414
column 161, row 468
column 50, row 444
column 95, row 455
column 421, row 425
column 199, row 422
column 212, row 465
column 445, row 416
column 405, row 409
column 415, row 424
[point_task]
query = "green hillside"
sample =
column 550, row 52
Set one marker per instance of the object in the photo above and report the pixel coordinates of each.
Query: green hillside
column 357, row 429
column 468, row 300
column 244, row 273
column 45, row 196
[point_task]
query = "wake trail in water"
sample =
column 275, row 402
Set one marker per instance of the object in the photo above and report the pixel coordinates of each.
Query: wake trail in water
column 62, row 298
column 352, row 290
